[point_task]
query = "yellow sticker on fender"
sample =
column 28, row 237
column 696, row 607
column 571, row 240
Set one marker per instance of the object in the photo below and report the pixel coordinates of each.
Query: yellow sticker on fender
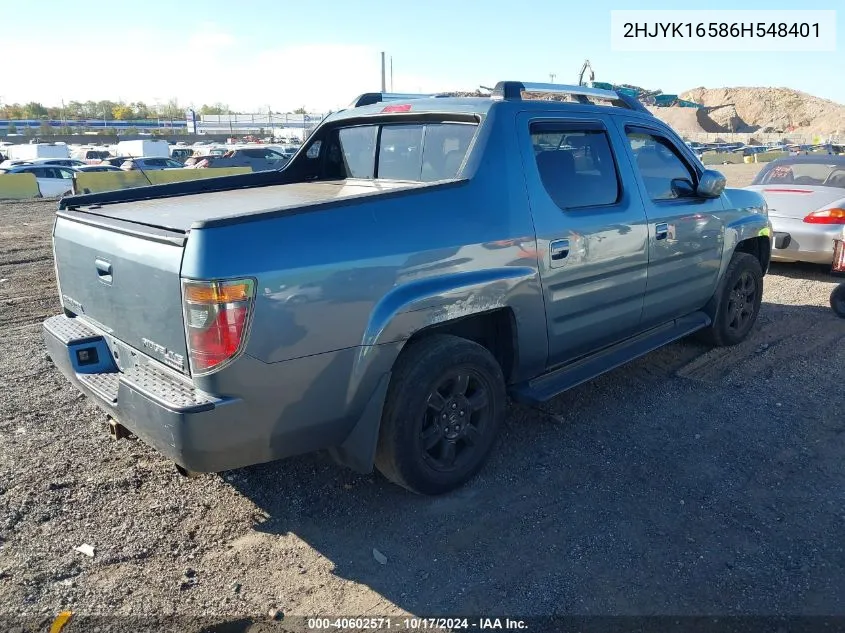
column 764, row 232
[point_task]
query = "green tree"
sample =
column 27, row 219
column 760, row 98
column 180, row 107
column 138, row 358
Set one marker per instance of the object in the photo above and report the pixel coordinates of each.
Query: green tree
column 75, row 110
column 34, row 110
column 301, row 110
column 104, row 109
column 89, row 110
column 217, row 108
column 142, row 110
column 45, row 129
column 12, row 129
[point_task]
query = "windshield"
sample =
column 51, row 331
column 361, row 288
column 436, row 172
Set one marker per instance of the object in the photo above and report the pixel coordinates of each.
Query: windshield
column 812, row 174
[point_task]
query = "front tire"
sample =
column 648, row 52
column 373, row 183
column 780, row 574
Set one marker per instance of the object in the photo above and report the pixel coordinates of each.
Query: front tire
column 444, row 406
column 738, row 304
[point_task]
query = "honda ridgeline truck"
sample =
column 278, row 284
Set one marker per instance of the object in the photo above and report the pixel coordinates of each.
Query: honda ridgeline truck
column 418, row 261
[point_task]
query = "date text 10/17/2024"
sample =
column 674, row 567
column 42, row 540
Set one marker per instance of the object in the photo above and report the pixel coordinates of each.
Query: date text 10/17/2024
column 416, row 624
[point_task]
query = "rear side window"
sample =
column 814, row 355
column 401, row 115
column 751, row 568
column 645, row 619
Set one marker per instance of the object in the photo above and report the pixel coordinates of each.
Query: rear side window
column 576, row 165
column 445, row 149
column 357, row 150
column 420, row 152
column 400, row 152
column 665, row 174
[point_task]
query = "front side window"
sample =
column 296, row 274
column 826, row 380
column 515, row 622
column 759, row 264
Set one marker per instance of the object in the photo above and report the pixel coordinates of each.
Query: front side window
column 576, row 165
column 665, row 175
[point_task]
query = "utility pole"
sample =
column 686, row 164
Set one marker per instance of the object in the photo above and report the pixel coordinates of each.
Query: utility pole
column 552, row 77
column 391, row 73
column 383, row 87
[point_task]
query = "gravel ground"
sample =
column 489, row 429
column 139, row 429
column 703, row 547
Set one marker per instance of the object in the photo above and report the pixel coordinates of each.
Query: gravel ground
column 688, row 482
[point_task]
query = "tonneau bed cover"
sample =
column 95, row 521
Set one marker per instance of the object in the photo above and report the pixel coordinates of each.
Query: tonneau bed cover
column 201, row 209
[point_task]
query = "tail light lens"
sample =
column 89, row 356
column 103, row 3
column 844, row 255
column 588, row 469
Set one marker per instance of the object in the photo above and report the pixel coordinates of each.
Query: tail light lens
column 217, row 317
column 826, row 216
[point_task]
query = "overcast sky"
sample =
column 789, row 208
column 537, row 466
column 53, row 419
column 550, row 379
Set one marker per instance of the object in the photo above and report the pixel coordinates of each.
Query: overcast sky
column 321, row 54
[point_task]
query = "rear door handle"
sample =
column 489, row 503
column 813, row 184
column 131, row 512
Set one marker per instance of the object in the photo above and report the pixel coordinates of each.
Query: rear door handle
column 103, row 270
column 559, row 250
column 661, row 231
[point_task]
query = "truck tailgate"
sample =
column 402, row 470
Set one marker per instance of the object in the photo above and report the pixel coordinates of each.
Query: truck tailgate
column 125, row 282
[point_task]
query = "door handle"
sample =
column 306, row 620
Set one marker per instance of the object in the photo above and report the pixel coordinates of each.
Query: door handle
column 559, row 249
column 103, row 270
column 661, row 231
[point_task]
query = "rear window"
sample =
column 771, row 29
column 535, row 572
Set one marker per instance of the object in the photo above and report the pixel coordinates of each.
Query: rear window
column 812, row 174
column 421, row 152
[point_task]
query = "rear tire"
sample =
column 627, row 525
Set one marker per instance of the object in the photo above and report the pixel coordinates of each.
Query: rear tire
column 837, row 300
column 444, row 406
column 738, row 302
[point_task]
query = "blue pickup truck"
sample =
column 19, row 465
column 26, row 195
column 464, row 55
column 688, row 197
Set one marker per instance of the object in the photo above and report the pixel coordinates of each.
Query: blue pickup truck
column 416, row 263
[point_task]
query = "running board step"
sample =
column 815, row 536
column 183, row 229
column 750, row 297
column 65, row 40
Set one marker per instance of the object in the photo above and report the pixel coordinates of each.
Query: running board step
column 549, row 385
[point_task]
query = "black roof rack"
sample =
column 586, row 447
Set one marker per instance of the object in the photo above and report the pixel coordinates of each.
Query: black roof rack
column 369, row 98
column 512, row 91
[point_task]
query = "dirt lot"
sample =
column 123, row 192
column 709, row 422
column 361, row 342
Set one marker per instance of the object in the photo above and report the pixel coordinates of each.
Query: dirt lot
column 689, row 482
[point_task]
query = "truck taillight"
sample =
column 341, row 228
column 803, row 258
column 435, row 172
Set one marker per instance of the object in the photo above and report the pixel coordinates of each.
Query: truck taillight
column 217, row 317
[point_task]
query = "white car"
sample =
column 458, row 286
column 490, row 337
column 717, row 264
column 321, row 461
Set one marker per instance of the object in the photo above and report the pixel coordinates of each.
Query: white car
column 53, row 180
column 806, row 200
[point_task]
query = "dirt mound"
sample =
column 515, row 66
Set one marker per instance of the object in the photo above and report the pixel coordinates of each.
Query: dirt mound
column 771, row 109
column 687, row 120
column 740, row 110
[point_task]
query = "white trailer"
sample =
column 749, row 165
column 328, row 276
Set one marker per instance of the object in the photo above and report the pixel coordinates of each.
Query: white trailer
column 144, row 148
column 36, row 150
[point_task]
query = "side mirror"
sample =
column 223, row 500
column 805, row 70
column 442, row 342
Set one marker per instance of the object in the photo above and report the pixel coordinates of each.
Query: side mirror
column 711, row 184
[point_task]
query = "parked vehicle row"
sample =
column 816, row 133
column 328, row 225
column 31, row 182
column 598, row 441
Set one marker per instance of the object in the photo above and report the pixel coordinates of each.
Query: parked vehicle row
column 54, row 179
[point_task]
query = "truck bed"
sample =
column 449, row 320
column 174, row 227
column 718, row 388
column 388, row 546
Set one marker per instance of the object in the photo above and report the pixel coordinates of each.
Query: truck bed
column 217, row 207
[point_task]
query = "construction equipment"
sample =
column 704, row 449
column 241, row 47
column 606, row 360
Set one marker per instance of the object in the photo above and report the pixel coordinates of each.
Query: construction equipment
column 584, row 68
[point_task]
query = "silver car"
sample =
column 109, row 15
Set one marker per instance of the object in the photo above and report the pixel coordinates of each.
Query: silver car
column 806, row 198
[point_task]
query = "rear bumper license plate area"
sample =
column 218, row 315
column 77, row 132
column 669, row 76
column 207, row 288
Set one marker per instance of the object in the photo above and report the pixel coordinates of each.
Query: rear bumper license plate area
column 83, row 354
